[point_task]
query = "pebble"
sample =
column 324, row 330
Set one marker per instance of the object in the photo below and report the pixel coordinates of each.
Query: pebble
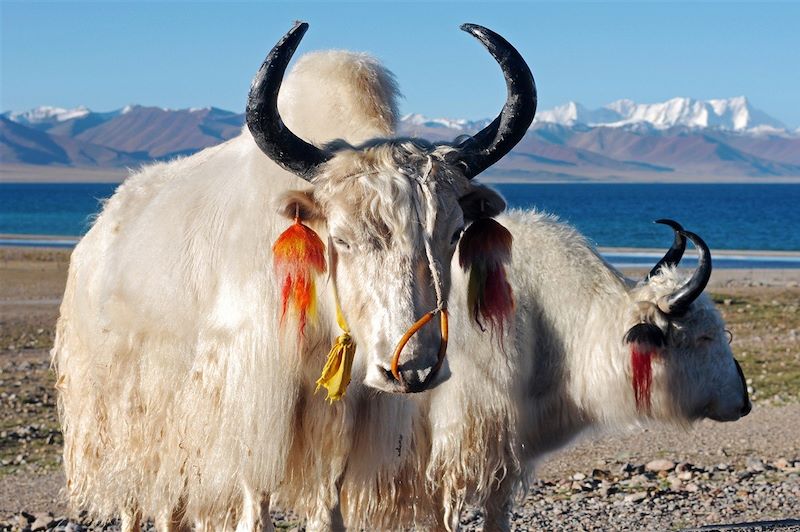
column 782, row 463
column 639, row 497
column 660, row 465
column 636, row 497
column 754, row 464
column 41, row 522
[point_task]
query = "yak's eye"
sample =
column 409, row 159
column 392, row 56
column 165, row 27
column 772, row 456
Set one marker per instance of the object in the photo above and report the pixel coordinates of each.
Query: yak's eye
column 456, row 236
column 341, row 243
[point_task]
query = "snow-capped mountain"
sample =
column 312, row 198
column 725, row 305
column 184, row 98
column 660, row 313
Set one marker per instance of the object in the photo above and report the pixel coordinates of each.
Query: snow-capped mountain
column 680, row 139
column 47, row 114
column 458, row 124
column 573, row 113
column 731, row 114
column 123, row 137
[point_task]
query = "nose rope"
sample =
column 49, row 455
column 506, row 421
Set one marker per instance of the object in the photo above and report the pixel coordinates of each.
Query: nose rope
column 441, row 304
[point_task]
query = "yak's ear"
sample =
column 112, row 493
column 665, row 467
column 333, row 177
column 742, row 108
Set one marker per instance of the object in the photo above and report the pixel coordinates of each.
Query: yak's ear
column 299, row 204
column 646, row 334
column 481, row 202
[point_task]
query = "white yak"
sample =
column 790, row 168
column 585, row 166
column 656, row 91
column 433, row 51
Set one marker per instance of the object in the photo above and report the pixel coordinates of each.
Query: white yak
column 185, row 389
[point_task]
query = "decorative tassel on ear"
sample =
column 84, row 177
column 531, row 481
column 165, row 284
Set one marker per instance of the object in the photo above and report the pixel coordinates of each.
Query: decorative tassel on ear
column 642, row 376
column 645, row 339
column 298, row 255
column 484, row 249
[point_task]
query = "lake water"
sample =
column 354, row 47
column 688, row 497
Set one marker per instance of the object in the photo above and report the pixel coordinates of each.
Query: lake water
column 727, row 216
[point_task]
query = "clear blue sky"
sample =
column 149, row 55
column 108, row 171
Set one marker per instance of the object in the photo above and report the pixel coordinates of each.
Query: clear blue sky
column 193, row 54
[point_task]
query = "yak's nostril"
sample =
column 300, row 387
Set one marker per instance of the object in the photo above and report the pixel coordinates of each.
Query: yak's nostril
column 415, row 387
column 388, row 374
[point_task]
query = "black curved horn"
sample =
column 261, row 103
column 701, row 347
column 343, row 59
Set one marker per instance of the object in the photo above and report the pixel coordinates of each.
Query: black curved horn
column 490, row 144
column 673, row 256
column 270, row 133
column 679, row 301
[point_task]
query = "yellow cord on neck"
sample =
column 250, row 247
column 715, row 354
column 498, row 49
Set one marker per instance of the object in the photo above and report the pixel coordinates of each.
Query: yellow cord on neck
column 336, row 373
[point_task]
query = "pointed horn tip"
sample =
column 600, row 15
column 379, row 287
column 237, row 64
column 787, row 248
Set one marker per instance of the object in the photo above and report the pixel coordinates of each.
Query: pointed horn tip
column 300, row 28
column 672, row 223
column 471, row 28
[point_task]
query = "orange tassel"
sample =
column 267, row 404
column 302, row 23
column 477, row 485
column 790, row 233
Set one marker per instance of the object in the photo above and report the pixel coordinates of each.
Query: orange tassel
column 298, row 256
column 484, row 249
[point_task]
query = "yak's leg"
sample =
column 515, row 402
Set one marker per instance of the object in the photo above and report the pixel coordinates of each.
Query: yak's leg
column 327, row 516
column 266, row 520
column 447, row 516
column 497, row 509
column 255, row 513
column 172, row 521
column 326, row 520
column 131, row 520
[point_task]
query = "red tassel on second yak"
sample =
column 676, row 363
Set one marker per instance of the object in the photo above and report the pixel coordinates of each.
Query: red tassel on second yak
column 299, row 255
column 484, row 249
column 645, row 340
column 641, row 358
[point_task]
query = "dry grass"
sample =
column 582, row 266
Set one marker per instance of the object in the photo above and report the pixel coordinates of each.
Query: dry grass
column 765, row 322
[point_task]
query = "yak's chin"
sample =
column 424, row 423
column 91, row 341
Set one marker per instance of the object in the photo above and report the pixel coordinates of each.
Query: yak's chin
column 734, row 413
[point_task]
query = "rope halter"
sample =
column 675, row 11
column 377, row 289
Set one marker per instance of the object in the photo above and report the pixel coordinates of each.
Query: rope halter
column 441, row 303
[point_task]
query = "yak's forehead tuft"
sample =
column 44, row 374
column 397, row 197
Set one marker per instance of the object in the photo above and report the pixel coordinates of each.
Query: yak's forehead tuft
column 382, row 187
column 666, row 282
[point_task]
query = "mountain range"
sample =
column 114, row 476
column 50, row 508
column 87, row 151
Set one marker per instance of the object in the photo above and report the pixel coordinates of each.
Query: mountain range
column 680, row 139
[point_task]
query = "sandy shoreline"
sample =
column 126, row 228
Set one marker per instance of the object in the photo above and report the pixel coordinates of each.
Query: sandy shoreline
column 44, row 239
column 720, row 277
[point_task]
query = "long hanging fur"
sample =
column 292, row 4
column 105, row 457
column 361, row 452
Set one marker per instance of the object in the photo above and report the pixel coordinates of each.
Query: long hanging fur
column 298, row 256
column 484, row 249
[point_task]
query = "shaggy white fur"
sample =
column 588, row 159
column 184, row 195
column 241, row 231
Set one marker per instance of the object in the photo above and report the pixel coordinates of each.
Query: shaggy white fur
column 181, row 400
column 177, row 394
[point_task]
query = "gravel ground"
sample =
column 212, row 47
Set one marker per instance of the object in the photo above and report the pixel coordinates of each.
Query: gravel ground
column 653, row 478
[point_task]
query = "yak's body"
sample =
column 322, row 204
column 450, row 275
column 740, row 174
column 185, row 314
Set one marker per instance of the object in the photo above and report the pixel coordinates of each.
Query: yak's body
column 181, row 394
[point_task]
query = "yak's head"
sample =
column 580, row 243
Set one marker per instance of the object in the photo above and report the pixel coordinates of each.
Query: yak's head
column 392, row 213
column 681, row 363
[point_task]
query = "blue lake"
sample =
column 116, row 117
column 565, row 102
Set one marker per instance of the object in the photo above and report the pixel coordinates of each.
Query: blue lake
column 727, row 216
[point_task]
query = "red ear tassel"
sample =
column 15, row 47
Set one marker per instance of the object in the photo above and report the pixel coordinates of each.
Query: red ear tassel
column 484, row 249
column 298, row 256
column 641, row 358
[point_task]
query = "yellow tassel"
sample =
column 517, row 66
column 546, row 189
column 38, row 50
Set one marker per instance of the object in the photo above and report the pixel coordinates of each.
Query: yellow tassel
column 336, row 373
